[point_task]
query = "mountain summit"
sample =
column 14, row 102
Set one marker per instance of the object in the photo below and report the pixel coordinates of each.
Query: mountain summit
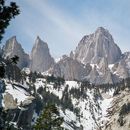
column 97, row 59
column 92, row 48
column 11, row 48
column 41, row 59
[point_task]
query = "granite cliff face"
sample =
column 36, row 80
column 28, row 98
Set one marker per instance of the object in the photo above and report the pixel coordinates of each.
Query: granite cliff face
column 96, row 58
column 96, row 53
column 41, row 59
column 70, row 69
column 92, row 48
column 11, row 48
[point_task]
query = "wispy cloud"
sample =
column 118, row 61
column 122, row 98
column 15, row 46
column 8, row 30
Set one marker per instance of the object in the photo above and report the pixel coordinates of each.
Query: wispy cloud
column 62, row 27
column 58, row 17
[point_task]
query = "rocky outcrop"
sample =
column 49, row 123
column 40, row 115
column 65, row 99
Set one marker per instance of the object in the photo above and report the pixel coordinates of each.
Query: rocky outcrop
column 41, row 59
column 22, row 116
column 103, row 65
column 92, row 48
column 9, row 102
column 70, row 69
column 11, row 48
column 126, row 58
column 102, row 75
column 122, row 69
column 93, row 75
column 119, row 113
column 25, row 116
column 19, row 113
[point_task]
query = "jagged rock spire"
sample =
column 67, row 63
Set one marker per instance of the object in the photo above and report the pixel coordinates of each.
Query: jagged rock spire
column 11, row 48
column 41, row 59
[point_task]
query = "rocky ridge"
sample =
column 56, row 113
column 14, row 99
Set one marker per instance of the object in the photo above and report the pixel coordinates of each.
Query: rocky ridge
column 101, row 57
column 97, row 58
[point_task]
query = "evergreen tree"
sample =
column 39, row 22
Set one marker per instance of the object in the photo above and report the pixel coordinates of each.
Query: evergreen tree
column 7, row 12
column 49, row 119
column 2, row 70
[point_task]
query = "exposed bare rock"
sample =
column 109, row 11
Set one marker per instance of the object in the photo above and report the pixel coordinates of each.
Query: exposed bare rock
column 41, row 59
column 93, row 76
column 97, row 76
column 122, row 70
column 11, row 48
column 126, row 58
column 70, row 69
column 71, row 54
column 103, row 65
column 97, row 49
column 92, row 48
column 118, row 121
column 108, row 78
column 9, row 102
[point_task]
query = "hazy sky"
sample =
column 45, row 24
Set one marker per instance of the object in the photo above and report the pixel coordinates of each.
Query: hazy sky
column 62, row 23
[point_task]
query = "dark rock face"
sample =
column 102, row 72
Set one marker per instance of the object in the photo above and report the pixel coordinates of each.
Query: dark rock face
column 41, row 59
column 25, row 116
column 18, row 113
column 22, row 116
column 92, row 48
column 11, row 48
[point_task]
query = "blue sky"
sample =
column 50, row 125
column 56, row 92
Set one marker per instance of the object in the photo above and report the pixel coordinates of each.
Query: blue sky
column 62, row 23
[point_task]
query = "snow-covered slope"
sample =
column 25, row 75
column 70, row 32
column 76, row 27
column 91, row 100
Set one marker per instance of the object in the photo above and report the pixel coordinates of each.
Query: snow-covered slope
column 119, row 112
column 83, row 106
column 17, row 105
column 89, row 104
column 14, row 95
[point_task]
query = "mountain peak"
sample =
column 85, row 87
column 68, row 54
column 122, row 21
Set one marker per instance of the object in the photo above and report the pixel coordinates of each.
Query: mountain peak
column 92, row 48
column 38, row 38
column 13, row 38
column 41, row 59
column 101, row 29
column 40, row 42
column 104, row 33
column 12, row 41
column 11, row 48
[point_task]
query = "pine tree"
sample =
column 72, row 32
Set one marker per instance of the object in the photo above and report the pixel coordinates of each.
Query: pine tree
column 49, row 119
column 7, row 12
